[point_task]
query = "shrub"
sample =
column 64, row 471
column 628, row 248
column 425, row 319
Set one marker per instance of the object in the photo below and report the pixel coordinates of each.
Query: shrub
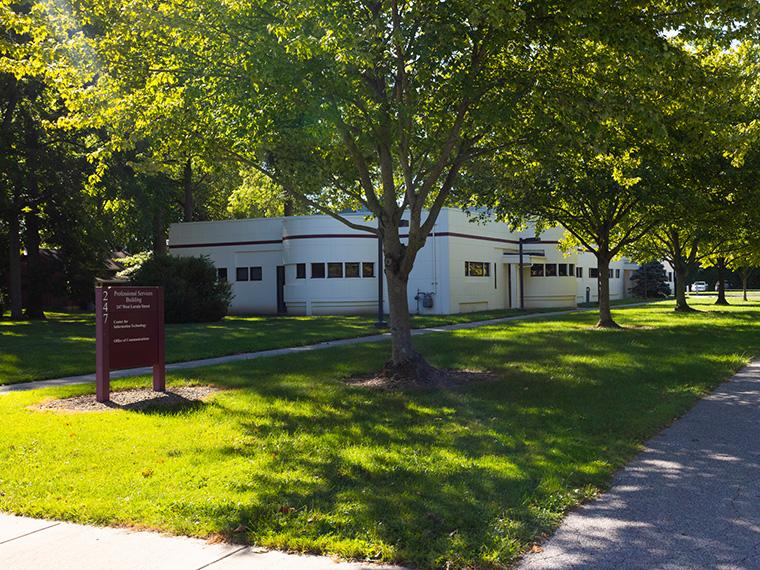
column 650, row 280
column 192, row 293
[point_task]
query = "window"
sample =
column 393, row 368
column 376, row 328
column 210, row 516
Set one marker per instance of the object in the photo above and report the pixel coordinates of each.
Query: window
column 241, row 274
column 579, row 272
column 537, row 270
column 610, row 273
column 317, row 270
column 670, row 276
column 593, row 272
column 617, row 274
column 221, row 274
column 368, row 269
column 255, row 273
column 477, row 269
column 571, row 269
column 562, row 270
column 335, row 270
column 551, row 269
column 352, row 269
column 300, row 271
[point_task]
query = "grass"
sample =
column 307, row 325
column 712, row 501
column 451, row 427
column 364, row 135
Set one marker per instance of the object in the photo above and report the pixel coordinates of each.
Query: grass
column 462, row 478
column 64, row 344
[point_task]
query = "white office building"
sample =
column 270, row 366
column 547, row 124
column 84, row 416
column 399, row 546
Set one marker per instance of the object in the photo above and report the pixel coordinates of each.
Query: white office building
column 315, row 265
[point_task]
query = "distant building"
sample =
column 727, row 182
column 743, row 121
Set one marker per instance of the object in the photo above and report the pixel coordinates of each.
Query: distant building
column 315, row 265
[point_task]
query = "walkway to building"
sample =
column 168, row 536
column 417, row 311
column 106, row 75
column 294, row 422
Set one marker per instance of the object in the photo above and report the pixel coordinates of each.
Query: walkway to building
column 690, row 500
column 32, row 544
column 116, row 374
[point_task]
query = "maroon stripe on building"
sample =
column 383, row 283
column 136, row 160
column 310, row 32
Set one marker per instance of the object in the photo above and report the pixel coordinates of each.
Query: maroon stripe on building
column 225, row 243
column 340, row 236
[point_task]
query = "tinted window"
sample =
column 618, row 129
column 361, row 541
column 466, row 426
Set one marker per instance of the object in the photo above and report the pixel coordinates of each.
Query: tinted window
column 579, row 271
column 537, row 270
column 317, row 270
column 551, row 269
column 300, row 271
column 352, row 269
column 562, row 269
column 593, row 272
column 255, row 273
column 368, row 269
column 221, row 274
column 241, row 274
column 335, row 270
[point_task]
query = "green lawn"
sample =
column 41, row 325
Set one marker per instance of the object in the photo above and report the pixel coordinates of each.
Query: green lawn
column 468, row 477
column 64, row 344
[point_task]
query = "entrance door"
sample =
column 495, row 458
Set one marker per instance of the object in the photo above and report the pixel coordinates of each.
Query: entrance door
column 281, row 307
column 508, row 280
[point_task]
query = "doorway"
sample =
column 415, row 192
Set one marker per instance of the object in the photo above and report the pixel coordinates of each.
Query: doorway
column 281, row 306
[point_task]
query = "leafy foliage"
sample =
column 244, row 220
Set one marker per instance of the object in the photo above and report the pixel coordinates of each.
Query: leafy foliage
column 192, row 292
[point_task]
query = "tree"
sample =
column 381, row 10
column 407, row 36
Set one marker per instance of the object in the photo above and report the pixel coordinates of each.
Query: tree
column 651, row 280
column 381, row 105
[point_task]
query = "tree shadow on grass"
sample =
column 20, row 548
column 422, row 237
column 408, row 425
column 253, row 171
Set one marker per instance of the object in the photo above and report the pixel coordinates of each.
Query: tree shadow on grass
column 466, row 476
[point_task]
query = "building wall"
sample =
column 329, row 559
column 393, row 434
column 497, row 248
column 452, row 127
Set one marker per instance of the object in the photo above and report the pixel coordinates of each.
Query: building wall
column 439, row 270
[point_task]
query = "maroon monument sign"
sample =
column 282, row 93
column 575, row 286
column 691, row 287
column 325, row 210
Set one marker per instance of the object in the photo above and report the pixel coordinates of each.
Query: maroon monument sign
column 129, row 333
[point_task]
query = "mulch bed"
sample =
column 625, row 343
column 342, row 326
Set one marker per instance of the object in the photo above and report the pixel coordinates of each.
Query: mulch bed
column 442, row 379
column 138, row 399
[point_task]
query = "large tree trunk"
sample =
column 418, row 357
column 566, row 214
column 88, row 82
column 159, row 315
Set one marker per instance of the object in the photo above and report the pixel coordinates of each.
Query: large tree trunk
column 721, row 265
column 406, row 364
column 187, row 188
column 35, row 277
column 682, row 306
column 14, row 267
column 603, row 278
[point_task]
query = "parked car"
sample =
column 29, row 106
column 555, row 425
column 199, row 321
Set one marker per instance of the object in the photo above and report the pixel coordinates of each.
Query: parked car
column 726, row 285
column 699, row 286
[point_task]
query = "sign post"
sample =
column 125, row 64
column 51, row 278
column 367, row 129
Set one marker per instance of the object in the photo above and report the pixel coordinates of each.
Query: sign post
column 129, row 333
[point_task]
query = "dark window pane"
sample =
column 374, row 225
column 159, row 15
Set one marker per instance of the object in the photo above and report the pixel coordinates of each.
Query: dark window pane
column 537, row 270
column 617, row 274
column 551, row 269
column 241, row 274
column 593, row 272
column 610, row 273
column 579, row 271
column 571, row 269
column 562, row 269
column 221, row 274
column 255, row 273
column 300, row 271
column 368, row 269
column 317, row 270
column 352, row 269
column 335, row 270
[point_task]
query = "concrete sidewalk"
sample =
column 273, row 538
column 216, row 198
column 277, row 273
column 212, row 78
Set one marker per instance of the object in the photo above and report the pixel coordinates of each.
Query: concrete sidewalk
column 33, row 544
column 690, row 500
column 116, row 374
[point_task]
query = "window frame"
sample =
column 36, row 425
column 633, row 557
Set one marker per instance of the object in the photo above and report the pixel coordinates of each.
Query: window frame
column 358, row 270
column 256, row 273
column 483, row 272
column 335, row 265
column 245, row 271
column 300, row 271
column 320, row 265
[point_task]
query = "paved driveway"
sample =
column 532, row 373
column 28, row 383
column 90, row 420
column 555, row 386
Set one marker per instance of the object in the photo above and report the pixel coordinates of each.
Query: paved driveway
column 690, row 500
